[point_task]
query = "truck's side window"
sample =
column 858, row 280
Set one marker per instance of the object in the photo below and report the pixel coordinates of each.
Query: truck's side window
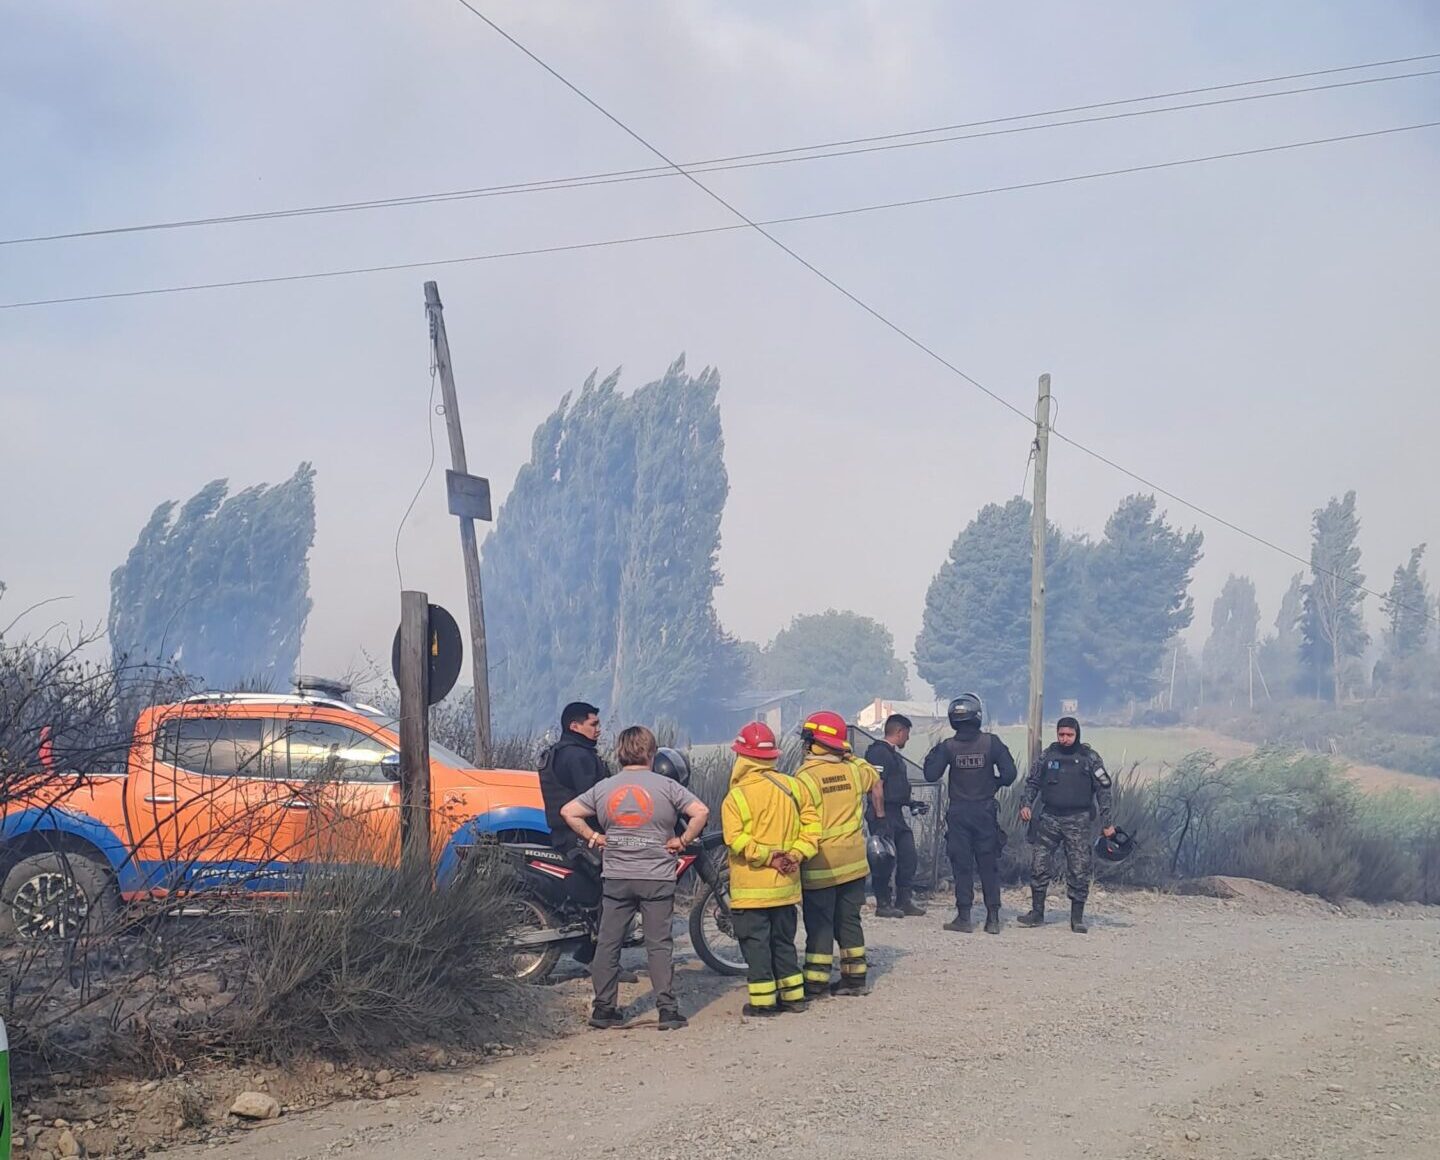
column 215, row 746
column 325, row 751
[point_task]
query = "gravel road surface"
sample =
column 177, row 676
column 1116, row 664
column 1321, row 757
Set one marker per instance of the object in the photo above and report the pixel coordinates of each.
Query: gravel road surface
column 1267, row 1026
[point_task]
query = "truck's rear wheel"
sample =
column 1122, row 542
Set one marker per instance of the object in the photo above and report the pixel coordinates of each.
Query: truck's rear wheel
column 55, row 896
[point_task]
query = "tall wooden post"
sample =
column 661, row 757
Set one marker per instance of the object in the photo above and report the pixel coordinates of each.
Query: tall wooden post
column 413, row 677
column 469, row 547
column 1036, row 719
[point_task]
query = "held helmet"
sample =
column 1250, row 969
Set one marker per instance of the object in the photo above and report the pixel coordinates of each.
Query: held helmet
column 880, row 851
column 756, row 740
column 826, row 729
column 671, row 763
column 965, row 710
column 1115, row 849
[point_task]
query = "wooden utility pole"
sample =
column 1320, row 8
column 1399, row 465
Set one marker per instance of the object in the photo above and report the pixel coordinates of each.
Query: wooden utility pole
column 1250, row 672
column 414, row 679
column 469, row 547
column 1036, row 720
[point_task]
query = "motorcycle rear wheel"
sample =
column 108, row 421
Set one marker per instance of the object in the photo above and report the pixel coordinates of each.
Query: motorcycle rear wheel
column 712, row 934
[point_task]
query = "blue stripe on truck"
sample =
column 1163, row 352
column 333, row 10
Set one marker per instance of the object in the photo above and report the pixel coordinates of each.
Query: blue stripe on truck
column 494, row 822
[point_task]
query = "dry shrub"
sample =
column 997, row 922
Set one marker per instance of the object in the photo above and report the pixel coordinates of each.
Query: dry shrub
column 368, row 958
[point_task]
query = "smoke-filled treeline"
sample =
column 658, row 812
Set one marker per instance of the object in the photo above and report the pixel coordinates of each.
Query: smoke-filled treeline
column 1112, row 607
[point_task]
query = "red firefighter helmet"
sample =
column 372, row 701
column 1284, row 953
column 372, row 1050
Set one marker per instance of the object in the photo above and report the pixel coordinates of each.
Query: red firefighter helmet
column 827, row 729
column 756, row 740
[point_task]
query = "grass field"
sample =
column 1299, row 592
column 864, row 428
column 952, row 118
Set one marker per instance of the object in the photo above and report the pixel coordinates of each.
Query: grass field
column 1152, row 751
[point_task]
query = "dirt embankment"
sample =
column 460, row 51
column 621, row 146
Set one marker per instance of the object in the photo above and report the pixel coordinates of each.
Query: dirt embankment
column 1260, row 1025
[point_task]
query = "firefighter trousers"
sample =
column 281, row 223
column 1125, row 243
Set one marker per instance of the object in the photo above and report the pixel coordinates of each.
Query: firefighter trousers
column 767, row 940
column 832, row 914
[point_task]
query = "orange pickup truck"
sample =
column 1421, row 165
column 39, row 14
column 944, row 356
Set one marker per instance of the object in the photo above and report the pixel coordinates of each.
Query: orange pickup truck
column 239, row 792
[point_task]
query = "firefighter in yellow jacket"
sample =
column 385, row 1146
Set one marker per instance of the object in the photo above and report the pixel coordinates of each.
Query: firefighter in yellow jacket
column 836, row 784
column 768, row 835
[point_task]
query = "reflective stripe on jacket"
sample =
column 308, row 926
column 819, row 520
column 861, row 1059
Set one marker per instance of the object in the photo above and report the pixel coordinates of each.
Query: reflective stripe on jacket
column 837, row 788
column 763, row 814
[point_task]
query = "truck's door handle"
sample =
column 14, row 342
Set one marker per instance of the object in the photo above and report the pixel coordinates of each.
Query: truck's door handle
column 297, row 804
column 160, row 801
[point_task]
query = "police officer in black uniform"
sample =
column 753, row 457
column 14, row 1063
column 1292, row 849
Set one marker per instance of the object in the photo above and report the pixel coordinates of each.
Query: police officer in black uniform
column 895, row 776
column 1070, row 780
column 979, row 765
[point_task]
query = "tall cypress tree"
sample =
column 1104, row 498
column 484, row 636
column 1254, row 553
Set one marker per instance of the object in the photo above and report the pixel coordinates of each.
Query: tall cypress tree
column 1407, row 610
column 1332, row 624
column 600, row 573
column 222, row 589
column 1140, row 576
column 1234, row 623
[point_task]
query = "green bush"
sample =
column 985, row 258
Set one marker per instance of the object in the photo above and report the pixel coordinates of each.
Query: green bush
column 1293, row 819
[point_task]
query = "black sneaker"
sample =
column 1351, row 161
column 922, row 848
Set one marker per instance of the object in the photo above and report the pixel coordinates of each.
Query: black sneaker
column 671, row 1019
column 604, row 1018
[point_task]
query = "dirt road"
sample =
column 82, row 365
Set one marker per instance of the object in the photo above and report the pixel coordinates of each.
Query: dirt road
column 1179, row 1027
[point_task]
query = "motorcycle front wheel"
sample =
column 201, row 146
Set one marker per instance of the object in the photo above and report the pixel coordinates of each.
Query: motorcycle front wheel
column 527, row 963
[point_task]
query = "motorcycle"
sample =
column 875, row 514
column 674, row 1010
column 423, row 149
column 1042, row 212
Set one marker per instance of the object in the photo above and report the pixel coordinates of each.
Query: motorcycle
column 551, row 921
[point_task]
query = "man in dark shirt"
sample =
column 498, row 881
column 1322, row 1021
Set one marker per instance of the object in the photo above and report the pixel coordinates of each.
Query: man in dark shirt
column 895, row 775
column 979, row 765
column 570, row 767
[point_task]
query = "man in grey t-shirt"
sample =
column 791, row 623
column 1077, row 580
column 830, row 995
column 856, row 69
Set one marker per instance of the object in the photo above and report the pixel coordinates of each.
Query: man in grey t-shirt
column 636, row 813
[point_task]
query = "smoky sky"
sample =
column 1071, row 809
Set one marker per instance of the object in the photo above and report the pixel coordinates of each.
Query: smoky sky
column 1255, row 335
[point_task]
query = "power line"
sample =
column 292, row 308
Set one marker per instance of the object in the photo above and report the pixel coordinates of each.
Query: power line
column 700, row 231
column 887, row 322
column 851, row 147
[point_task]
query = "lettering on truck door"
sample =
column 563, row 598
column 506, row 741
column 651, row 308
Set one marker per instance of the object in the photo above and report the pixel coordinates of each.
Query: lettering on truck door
column 220, row 816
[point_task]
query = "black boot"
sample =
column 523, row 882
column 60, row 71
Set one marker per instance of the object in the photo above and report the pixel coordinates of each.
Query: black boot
column 906, row 906
column 884, row 908
column 992, row 920
column 1077, row 917
column 1037, row 909
column 961, row 922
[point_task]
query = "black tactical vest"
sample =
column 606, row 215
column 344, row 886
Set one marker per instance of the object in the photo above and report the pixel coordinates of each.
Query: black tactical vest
column 972, row 773
column 1065, row 781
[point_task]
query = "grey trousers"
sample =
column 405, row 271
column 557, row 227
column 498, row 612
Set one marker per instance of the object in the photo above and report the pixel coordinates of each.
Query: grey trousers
column 656, row 903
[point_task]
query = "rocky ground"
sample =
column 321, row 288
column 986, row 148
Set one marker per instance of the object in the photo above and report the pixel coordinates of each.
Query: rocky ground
column 1255, row 1026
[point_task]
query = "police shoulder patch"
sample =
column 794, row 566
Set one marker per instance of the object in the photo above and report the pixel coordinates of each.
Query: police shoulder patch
column 1102, row 778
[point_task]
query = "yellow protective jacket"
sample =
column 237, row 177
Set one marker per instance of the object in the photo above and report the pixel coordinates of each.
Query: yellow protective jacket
column 765, row 813
column 836, row 788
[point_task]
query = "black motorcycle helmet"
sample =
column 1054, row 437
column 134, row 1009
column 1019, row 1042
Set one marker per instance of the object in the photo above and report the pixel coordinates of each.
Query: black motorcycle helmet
column 880, row 852
column 671, row 763
column 1114, row 849
column 965, row 710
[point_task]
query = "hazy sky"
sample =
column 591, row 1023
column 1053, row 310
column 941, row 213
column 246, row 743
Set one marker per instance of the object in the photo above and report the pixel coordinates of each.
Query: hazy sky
column 1254, row 334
